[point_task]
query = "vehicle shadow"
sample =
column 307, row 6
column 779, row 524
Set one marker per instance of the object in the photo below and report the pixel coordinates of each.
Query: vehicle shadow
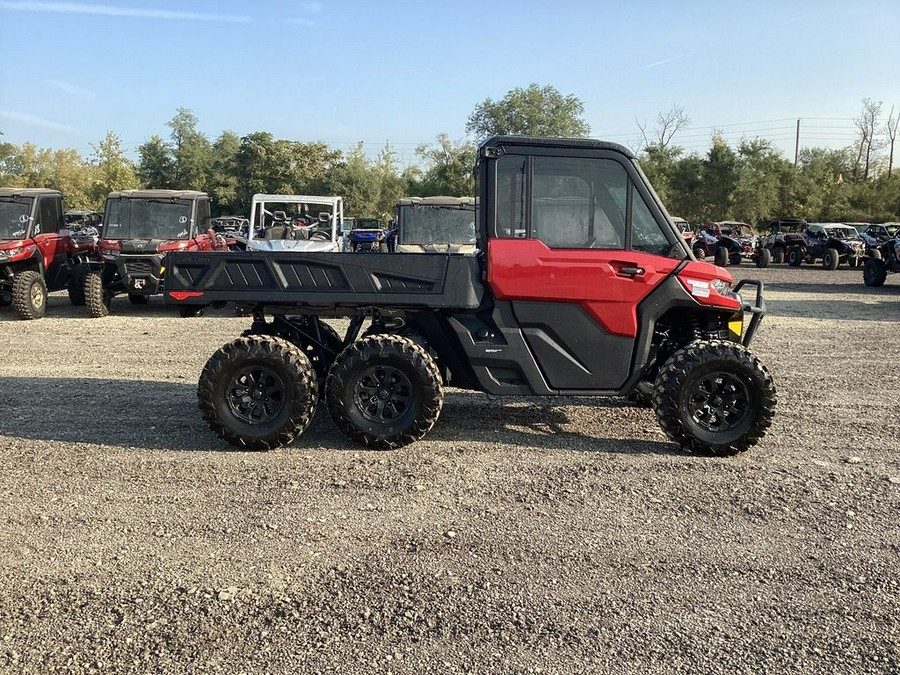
column 160, row 415
column 59, row 307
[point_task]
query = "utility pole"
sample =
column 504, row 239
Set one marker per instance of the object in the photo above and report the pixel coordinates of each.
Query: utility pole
column 797, row 144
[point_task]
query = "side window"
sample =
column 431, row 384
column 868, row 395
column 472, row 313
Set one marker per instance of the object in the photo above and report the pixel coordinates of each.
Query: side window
column 510, row 197
column 645, row 233
column 203, row 216
column 49, row 216
column 579, row 202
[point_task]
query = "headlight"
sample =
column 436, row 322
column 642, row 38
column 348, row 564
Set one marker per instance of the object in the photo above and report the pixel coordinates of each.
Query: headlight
column 722, row 287
column 10, row 252
column 110, row 253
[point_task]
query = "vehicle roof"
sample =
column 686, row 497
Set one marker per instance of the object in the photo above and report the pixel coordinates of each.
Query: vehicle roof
column 296, row 199
column 27, row 192
column 831, row 224
column 540, row 141
column 438, row 200
column 156, row 194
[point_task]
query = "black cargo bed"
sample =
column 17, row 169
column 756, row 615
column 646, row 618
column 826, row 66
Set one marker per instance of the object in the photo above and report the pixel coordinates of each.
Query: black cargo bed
column 324, row 280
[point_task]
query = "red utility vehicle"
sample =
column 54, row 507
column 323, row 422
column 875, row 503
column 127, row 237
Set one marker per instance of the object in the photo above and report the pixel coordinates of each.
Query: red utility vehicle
column 140, row 227
column 580, row 285
column 37, row 251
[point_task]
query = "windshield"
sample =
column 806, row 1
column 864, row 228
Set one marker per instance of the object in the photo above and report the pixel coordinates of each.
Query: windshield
column 14, row 216
column 147, row 219
column 842, row 232
column 437, row 225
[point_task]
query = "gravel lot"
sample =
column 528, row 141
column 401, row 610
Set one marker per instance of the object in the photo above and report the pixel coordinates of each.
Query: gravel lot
column 520, row 536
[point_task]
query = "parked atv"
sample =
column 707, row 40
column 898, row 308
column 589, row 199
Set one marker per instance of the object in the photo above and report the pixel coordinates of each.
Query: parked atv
column 139, row 228
column 368, row 235
column 832, row 243
column 37, row 251
column 881, row 261
column 782, row 234
column 436, row 224
column 730, row 242
column 875, row 235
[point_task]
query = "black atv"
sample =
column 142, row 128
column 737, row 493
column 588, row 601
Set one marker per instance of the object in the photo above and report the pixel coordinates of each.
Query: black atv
column 880, row 261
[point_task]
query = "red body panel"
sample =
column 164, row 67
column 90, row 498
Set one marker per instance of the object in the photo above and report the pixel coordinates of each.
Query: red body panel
column 526, row 269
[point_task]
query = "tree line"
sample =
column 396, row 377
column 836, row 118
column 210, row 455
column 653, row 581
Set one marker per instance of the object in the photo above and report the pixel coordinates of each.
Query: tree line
column 750, row 181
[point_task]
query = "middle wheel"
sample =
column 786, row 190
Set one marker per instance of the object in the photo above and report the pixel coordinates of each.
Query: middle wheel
column 384, row 391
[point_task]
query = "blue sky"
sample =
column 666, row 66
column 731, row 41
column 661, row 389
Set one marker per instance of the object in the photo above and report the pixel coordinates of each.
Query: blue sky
column 343, row 71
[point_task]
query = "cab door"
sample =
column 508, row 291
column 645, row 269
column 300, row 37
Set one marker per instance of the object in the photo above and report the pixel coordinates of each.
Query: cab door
column 575, row 247
column 53, row 241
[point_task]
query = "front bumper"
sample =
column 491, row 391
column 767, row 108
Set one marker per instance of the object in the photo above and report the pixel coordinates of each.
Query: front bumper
column 139, row 275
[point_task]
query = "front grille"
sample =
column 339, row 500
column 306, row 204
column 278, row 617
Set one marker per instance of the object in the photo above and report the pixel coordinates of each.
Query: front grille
column 139, row 267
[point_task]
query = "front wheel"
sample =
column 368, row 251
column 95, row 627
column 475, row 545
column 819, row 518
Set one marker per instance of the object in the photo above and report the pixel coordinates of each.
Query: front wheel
column 96, row 297
column 29, row 295
column 714, row 397
column 384, row 391
column 794, row 256
column 76, row 285
column 721, row 256
column 258, row 392
column 763, row 258
column 831, row 259
column 778, row 255
column 874, row 272
column 700, row 253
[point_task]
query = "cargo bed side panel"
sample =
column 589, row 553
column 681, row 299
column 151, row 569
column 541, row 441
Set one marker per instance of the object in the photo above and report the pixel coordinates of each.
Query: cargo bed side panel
column 324, row 279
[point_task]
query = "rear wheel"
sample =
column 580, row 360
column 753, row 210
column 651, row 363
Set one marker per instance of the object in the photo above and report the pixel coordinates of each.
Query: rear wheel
column 831, row 259
column 138, row 299
column 794, row 256
column 778, row 255
column 714, row 397
column 721, row 256
column 29, row 295
column 384, row 391
column 874, row 272
column 76, row 285
column 258, row 392
column 764, row 257
column 96, row 297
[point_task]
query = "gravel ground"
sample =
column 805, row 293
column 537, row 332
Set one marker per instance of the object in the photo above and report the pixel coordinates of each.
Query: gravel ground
column 520, row 536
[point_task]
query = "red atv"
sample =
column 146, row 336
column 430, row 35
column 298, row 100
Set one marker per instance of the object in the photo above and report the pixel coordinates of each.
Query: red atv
column 140, row 227
column 730, row 242
column 37, row 252
column 579, row 285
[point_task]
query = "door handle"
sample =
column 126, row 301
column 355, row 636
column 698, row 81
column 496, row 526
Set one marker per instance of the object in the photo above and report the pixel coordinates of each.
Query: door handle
column 631, row 271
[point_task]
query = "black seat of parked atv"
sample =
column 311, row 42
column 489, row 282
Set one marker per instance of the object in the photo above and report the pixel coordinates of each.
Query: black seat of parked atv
column 279, row 232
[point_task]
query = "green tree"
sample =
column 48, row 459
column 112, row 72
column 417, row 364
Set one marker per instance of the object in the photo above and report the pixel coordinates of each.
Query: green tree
column 533, row 111
column 223, row 185
column 719, row 179
column 449, row 168
column 353, row 179
column 156, row 168
column 758, row 181
column 113, row 170
column 192, row 152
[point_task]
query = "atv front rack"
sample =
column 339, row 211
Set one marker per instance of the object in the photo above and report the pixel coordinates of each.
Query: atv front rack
column 757, row 309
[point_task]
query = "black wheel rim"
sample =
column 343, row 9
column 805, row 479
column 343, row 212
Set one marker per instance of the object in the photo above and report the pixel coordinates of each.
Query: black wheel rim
column 719, row 402
column 383, row 394
column 256, row 395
